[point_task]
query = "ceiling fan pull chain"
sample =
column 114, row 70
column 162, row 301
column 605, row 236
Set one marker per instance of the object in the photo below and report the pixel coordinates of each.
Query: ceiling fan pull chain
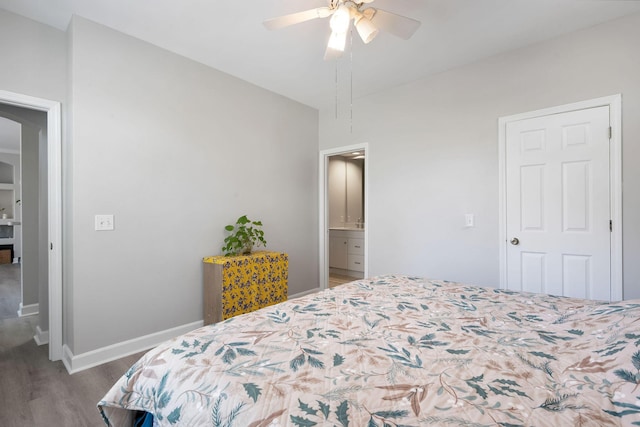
column 351, row 83
column 336, row 62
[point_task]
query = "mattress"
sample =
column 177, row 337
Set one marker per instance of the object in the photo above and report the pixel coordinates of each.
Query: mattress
column 396, row 351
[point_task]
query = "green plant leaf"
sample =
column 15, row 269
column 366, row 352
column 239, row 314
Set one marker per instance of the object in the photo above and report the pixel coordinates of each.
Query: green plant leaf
column 174, row 416
column 229, row 356
column 542, row 354
column 297, row 362
column 626, row 375
column 324, row 408
column 302, row 422
column 453, row 351
column 635, row 359
column 246, row 352
column 342, row 415
column 243, row 237
column 316, row 363
column 392, row 414
column 253, row 391
column 306, row 408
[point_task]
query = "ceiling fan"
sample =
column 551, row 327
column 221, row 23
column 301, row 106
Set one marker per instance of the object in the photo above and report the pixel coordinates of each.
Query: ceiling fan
column 367, row 21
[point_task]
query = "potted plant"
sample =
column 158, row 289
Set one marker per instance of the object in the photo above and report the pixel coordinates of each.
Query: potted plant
column 244, row 235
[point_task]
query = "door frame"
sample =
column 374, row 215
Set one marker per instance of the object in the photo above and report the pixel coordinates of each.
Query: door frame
column 54, row 161
column 324, row 207
column 614, row 102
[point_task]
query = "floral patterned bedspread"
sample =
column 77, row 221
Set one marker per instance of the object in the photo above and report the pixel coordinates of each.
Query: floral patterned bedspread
column 397, row 351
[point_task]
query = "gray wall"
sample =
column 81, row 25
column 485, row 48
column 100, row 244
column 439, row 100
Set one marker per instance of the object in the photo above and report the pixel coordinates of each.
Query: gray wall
column 33, row 58
column 30, row 211
column 434, row 150
column 175, row 150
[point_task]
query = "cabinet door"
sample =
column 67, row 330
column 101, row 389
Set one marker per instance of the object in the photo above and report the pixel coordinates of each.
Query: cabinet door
column 355, row 262
column 356, row 246
column 338, row 250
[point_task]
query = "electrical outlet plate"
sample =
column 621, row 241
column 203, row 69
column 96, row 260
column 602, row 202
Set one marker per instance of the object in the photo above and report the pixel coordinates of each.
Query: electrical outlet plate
column 104, row 222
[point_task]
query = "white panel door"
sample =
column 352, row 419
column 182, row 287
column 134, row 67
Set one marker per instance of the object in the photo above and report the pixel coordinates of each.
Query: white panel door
column 557, row 204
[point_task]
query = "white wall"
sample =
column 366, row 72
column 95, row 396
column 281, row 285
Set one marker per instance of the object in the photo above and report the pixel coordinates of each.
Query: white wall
column 434, row 150
column 176, row 151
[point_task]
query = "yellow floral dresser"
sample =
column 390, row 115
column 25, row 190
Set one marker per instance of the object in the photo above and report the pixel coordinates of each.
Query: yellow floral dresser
column 241, row 284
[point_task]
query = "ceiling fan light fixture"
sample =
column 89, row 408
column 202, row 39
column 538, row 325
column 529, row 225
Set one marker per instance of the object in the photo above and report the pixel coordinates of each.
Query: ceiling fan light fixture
column 340, row 20
column 367, row 20
column 337, row 41
column 366, row 29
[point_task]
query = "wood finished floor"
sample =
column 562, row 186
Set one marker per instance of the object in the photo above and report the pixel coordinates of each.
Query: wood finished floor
column 35, row 392
column 9, row 290
column 339, row 279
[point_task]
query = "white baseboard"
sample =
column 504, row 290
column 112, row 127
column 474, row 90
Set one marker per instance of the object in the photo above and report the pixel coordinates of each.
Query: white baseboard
column 41, row 337
column 28, row 310
column 304, row 293
column 80, row 362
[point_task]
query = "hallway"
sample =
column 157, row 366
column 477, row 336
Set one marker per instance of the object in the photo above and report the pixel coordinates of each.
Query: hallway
column 9, row 290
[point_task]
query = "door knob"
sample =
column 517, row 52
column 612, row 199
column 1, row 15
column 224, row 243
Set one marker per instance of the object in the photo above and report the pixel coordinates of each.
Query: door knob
column 515, row 241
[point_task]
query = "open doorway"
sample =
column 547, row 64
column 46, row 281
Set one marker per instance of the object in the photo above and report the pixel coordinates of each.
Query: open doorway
column 343, row 215
column 48, row 220
column 12, row 302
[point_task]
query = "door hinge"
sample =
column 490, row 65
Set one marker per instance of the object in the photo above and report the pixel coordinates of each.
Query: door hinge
column 610, row 225
column 610, row 132
column 51, row 246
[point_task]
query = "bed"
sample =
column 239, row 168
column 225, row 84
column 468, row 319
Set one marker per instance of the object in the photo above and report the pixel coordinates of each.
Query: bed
column 396, row 351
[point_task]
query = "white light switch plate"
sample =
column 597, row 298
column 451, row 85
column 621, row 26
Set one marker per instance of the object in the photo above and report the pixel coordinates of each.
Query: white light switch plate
column 468, row 220
column 104, row 222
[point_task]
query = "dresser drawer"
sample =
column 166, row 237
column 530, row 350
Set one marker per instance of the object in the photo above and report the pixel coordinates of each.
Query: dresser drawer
column 356, row 246
column 356, row 262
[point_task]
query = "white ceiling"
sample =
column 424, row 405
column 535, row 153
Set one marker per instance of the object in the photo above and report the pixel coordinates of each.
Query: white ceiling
column 229, row 36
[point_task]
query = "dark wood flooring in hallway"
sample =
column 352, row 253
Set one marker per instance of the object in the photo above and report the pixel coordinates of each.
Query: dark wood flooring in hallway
column 34, row 391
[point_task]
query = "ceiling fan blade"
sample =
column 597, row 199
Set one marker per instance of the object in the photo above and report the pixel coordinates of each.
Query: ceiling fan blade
column 398, row 25
column 296, row 18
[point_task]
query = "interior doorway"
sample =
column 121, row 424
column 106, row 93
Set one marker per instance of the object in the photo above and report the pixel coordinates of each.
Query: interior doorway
column 54, row 210
column 13, row 303
column 343, row 214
